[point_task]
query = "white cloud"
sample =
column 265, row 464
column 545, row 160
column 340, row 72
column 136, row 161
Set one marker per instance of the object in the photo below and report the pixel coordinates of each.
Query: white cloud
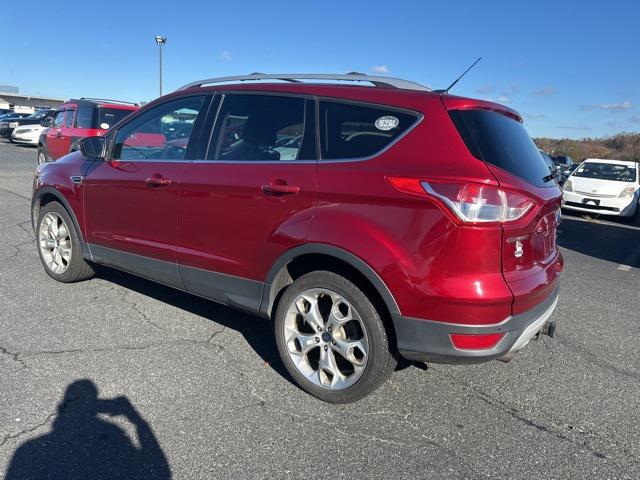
column 380, row 69
column 536, row 116
column 574, row 127
column 226, row 56
column 503, row 99
column 635, row 119
column 608, row 107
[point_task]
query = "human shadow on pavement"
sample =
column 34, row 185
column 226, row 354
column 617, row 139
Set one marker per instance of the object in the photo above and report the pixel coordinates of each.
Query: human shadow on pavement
column 82, row 445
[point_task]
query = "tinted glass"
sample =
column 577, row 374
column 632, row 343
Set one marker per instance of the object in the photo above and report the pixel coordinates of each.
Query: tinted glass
column 68, row 119
column 260, row 127
column 58, row 119
column 357, row 131
column 502, row 141
column 606, row 171
column 110, row 116
column 84, row 117
column 161, row 133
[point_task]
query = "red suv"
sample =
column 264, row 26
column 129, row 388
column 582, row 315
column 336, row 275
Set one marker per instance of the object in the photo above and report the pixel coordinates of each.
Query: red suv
column 76, row 119
column 369, row 222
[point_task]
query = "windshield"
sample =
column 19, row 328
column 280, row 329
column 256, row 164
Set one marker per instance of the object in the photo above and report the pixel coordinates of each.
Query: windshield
column 606, row 171
column 39, row 114
column 502, row 141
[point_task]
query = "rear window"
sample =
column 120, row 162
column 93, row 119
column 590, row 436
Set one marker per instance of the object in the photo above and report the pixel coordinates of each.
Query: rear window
column 110, row 116
column 606, row 171
column 357, row 131
column 502, row 141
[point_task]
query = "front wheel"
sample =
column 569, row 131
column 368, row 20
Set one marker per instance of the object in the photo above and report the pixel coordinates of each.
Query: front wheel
column 331, row 338
column 59, row 245
column 42, row 155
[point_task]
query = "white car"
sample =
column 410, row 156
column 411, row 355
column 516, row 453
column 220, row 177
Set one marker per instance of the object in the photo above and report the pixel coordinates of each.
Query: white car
column 610, row 187
column 27, row 134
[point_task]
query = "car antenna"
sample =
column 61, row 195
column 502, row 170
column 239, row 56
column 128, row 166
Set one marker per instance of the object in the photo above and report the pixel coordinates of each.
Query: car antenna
column 446, row 90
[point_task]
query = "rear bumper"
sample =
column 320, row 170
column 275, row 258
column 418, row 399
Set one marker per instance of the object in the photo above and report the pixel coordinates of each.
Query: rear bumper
column 429, row 341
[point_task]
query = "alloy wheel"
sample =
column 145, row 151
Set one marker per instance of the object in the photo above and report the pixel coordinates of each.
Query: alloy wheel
column 326, row 339
column 55, row 243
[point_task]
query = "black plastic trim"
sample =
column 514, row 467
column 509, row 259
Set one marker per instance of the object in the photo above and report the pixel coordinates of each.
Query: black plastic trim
column 35, row 203
column 268, row 295
column 429, row 341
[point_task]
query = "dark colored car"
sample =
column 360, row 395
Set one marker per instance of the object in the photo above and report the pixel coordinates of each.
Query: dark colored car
column 78, row 119
column 9, row 121
column 368, row 223
column 564, row 164
column 4, row 111
column 36, row 118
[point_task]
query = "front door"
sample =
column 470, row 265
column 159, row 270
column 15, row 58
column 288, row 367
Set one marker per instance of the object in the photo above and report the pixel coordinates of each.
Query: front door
column 131, row 199
column 54, row 133
column 251, row 200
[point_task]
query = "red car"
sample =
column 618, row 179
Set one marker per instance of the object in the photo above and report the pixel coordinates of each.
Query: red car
column 369, row 220
column 76, row 119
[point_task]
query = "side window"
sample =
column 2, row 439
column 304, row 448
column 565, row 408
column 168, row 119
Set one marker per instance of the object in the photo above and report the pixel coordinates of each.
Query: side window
column 262, row 127
column 84, row 117
column 356, row 131
column 68, row 119
column 161, row 133
column 58, row 119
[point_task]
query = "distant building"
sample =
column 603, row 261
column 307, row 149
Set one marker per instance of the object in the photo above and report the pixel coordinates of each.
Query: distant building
column 10, row 97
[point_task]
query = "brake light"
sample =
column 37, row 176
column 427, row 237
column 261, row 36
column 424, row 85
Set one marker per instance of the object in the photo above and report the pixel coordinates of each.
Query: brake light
column 469, row 202
column 464, row 341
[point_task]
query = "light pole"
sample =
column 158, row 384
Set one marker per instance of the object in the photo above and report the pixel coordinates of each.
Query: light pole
column 160, row 41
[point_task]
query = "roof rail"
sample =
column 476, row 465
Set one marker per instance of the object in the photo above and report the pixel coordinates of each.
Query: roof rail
column 296, row 77
column 107, row 100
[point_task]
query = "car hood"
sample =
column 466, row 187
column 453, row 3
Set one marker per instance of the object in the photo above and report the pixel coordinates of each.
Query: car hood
column 36, row 126
column 597, row 186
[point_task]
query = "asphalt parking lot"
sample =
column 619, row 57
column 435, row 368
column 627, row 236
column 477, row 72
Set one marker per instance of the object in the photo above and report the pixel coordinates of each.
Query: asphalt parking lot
column 200, row 393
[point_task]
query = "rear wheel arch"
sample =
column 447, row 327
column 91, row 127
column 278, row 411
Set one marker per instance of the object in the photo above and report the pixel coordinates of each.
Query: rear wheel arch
column 314, row 257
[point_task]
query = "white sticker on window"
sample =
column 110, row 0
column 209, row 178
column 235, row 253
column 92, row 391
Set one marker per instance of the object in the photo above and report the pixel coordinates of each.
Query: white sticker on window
column 388, row 122
column 104, row 126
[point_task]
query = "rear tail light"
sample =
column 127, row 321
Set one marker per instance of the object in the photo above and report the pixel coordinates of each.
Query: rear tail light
column 469, row 202
column 464, row 341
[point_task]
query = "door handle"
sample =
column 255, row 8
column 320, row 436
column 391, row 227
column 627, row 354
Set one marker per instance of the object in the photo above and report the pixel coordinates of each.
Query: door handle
column 157, row 181
column 280, row 188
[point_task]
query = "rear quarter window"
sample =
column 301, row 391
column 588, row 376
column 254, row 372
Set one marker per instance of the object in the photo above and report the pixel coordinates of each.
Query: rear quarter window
column 350, row 131
column 504, row 142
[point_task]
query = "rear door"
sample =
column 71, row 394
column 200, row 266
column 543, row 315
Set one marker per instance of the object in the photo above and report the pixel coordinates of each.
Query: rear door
column 251, row 199
column 65, row 136
column 131, row 199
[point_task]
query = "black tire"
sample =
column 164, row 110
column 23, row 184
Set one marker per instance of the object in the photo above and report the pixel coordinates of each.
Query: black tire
column 78, row 268
column 380, row 362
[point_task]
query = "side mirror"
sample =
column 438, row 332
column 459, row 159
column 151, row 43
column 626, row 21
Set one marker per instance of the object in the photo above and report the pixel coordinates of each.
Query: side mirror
column 46, row 123
column 93, row 147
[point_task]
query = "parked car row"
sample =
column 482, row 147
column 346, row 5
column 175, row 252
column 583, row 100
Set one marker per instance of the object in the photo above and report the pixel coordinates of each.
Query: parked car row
column 76, row 119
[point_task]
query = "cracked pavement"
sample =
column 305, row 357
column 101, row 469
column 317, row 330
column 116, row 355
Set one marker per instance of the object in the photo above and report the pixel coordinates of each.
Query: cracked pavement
column 208, row 381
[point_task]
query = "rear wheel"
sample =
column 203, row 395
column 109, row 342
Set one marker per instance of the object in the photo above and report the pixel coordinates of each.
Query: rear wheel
column 331, row 338
column 59, row 245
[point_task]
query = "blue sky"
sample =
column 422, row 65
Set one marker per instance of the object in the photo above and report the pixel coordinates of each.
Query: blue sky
column 572, row 68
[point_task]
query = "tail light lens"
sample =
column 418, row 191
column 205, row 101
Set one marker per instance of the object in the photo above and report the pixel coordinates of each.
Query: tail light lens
column 464, row 341
column 470, row 202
